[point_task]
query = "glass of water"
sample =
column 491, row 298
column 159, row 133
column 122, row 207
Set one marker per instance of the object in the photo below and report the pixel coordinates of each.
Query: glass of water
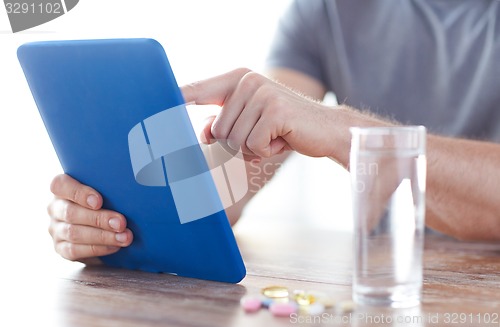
column 388, row 173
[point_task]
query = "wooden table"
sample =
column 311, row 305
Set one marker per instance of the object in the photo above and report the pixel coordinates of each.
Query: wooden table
column 459, row 278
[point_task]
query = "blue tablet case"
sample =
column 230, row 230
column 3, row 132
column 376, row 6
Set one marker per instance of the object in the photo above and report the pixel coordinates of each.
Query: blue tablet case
column 99, row 101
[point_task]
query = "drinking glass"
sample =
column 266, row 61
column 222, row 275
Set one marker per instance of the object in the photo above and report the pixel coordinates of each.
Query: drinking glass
column 388, row 174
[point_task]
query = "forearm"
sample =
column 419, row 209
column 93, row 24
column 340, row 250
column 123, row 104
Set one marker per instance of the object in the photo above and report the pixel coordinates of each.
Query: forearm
column 462, row 188
column 463, row 179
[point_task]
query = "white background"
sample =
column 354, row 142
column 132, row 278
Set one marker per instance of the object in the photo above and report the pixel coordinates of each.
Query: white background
column 202, row 38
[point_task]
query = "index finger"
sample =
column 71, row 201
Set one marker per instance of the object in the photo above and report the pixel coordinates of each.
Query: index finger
column 68, row 188
column 214, row 90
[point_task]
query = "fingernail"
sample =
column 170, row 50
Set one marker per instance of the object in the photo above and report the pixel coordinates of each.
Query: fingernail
column 92, row 201
column 114, row 223
column 121, row 237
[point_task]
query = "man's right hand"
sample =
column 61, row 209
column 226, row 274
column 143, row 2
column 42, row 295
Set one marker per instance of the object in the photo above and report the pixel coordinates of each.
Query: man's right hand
column 80, row 228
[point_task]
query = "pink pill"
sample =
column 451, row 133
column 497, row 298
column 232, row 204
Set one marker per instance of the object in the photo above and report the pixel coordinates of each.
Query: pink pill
column 282, row 309
column 251, row 304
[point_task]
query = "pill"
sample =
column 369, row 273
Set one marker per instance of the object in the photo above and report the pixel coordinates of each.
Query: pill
column 251, row 303
column 327, row 302
column 346, row 306
column 266, row 303
column 303, row 298
column 315, row 309
column 283, row 309
column 275, row 291
column 323, row 298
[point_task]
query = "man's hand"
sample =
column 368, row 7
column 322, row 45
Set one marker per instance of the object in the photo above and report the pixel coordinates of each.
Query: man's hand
column 80, row 229
column 261, row 117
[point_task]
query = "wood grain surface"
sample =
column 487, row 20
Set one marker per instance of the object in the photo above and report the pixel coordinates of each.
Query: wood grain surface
column 461, row 281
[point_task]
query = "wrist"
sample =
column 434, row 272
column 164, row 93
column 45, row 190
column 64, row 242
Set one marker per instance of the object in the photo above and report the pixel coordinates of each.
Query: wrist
column 345, row 117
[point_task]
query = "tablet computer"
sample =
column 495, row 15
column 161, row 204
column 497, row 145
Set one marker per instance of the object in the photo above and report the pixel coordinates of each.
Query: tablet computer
column 117, row 120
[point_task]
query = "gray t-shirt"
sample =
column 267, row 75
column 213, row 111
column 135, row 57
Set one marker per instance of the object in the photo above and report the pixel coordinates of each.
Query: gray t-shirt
column 429, row 62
